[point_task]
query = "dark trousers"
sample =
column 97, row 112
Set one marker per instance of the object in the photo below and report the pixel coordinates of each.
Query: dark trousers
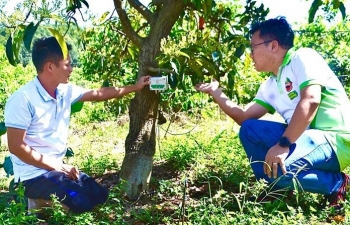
column 80, row 196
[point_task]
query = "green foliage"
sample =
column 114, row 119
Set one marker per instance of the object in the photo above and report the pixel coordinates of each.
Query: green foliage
column 214, row 52
column 98, row 164
column 11, row 79
column 109, row 59
column 332, row 42
column 198, row 152
column 14, row 211
column 194, row 55
column 95, row 112
column 109, row 56
column 328, row 7
column 15, row 214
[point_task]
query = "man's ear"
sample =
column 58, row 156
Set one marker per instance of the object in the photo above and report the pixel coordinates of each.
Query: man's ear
column 48, row 67
column 274, row 46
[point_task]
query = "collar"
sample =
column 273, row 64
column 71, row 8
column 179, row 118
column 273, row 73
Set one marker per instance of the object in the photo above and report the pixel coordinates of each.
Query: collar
column 286, row 60
column 43, row 93
column 288, row 57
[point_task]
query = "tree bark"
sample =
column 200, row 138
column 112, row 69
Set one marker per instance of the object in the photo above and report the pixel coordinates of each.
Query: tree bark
column 141, row 141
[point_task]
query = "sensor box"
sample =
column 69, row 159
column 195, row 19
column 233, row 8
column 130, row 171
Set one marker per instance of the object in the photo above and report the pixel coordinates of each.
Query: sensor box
column 159, row 83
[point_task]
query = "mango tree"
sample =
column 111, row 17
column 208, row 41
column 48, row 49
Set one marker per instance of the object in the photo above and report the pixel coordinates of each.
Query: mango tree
column 146, row 32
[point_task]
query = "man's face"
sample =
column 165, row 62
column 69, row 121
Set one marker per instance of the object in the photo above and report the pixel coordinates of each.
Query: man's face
column 62, row 72
column 260, row 52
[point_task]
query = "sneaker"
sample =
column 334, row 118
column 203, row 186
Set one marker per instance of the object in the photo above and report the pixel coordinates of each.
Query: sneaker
column 336, row 199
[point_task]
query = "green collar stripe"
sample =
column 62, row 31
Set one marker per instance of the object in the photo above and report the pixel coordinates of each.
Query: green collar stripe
column 286, row 61
column 288, row 57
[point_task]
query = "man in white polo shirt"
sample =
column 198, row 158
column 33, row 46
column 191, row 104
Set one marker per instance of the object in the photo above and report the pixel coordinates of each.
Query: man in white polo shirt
column 37, row 118
column 311, row 148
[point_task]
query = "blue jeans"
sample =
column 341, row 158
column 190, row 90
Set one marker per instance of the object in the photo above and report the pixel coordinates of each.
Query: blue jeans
column 311, row 160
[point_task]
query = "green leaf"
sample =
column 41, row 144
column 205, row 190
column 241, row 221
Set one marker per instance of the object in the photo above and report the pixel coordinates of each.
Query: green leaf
column 182, row 64
column 85, row 3
column 29, row 34
column 69, row 152
column 17, row 42
column 184, row 54
column 173, row 65
column 56, row 17
column 231, row 83
column 312, row 11
column 76, row 107
column 173, row 81
column 105, row 83
column 77, row 4
column 103, row 17
column 8, row 166
column 195, row 67
column 239, row 51
column 194, row 80
column 209, row 65
column 131, row 52
column 9, row 51
column 209, row 8
column 342, row 10
column 336, row 4
column 61, row 42
column 3, row 128
column 198, row 4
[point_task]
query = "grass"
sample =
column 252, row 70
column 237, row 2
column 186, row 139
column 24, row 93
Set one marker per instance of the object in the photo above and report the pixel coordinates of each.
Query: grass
column 200, row 176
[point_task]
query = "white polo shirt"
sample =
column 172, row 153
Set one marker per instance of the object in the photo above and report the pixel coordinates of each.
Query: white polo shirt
column 300, row 69
column 45, row 120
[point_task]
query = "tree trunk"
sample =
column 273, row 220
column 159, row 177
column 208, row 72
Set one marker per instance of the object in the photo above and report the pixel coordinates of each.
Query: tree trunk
column 140, row 144
column 141, row 141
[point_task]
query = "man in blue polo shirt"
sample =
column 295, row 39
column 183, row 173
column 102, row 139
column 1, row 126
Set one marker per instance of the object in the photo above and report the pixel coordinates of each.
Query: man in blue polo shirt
column 311, row 148
column 37, row 118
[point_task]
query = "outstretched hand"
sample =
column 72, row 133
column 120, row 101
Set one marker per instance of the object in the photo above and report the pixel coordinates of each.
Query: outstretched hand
column 207, row 87
column 143, row 81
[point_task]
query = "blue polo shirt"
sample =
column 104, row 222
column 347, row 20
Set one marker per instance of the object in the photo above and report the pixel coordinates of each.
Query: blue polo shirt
column 44, row 119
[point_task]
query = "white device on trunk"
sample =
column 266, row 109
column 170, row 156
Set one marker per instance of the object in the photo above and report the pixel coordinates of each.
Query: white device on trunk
column 159, row 83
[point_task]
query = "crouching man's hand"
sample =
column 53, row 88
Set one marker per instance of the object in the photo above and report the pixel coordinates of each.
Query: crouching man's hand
column 70, row 171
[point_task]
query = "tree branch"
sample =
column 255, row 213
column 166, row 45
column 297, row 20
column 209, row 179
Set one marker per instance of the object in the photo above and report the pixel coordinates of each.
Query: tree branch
column 126, row 24
column 159, row 2
column 147, row 14
column 158, row 70
column 29, row 12
column 166, row 18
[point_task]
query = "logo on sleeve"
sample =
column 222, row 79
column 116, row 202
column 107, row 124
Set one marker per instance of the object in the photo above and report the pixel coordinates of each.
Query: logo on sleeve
column 289, row 87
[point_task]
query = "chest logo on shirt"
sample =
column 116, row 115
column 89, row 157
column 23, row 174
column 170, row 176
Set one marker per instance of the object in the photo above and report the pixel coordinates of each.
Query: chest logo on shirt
column 289, row 87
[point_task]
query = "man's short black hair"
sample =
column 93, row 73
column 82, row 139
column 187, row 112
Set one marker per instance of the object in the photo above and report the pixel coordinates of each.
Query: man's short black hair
column 275, row 29
column 47, row 50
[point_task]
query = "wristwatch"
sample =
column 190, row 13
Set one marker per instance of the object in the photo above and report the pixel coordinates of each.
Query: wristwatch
column 284, row 142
